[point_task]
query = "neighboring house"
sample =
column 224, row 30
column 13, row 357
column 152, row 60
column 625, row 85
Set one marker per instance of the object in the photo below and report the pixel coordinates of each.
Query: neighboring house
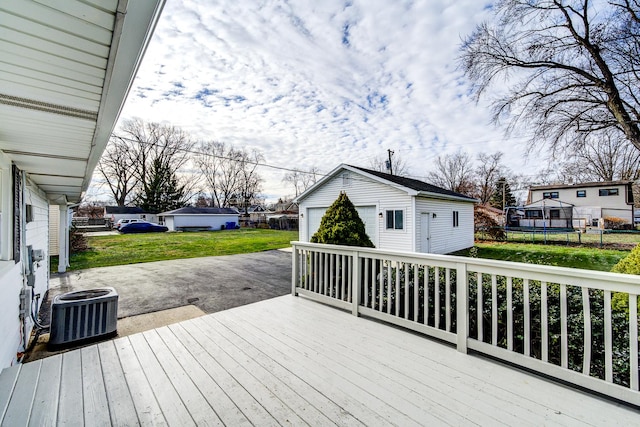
column 399, row 213
column 190, row 218
column 68, row 67
column 115, row 213
column 592, row 201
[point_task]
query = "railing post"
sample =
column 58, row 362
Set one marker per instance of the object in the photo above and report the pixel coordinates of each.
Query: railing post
column 295, row 262
column 462, row 307
column 355, row 285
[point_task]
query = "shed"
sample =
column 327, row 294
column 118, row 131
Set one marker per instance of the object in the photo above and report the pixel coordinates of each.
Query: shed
column 399, row 213
column 191, row 218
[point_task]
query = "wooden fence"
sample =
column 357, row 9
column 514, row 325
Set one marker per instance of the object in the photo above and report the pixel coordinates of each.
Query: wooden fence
column 578, row 326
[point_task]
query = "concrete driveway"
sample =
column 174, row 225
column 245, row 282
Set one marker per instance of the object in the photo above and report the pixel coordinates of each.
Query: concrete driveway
column 211, row 284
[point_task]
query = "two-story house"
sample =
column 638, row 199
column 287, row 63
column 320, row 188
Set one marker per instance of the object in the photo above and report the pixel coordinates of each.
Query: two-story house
column 592, row 201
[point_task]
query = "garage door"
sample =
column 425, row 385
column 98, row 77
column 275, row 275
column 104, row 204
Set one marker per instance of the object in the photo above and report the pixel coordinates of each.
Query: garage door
column 367, row 214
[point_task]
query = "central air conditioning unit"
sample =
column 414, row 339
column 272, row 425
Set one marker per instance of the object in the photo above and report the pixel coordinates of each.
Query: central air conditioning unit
column 83, row 315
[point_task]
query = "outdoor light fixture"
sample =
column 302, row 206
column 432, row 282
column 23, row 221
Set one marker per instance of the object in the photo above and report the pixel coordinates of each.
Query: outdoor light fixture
column 301, row 215
column 380, row 215
column 434, row 215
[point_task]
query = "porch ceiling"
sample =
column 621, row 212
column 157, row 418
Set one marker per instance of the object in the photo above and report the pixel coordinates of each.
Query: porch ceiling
column 66, row 67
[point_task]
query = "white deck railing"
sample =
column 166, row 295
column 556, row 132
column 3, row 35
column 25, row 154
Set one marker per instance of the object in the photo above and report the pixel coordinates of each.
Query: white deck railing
column 578, row 326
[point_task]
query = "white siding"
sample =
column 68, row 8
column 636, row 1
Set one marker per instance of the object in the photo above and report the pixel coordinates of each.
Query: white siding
column 215, row 222
column 444, row 237
column 11, row 273
column 363, row 191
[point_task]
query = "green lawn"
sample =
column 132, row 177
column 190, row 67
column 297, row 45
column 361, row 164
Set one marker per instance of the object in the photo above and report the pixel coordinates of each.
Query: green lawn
column 559, row 255
column 135, row 248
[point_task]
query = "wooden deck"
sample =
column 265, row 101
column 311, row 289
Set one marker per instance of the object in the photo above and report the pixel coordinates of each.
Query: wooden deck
column 287, row 361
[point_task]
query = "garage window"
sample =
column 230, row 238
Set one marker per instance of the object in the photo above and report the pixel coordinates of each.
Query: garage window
column 395, row 219
column 456, row 219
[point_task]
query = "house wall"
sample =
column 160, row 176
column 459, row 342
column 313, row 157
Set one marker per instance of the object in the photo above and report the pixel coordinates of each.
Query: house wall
column 444, row 237
column 215, row 222
column 12, row 277
column 363, row 191
column 610, row 206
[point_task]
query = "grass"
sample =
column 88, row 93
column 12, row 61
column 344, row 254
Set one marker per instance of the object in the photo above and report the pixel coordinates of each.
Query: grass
column 610, row 240
column 136, row 248
column 559, row 255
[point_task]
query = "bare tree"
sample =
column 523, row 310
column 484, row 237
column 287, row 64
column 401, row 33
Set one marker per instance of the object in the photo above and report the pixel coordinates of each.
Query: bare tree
column 117, row 168
column 249, row 188
column 487, row 172
column 454, row 172
column 570, row 67
column 142, row 163
column 157, row 152
column 605, row 159
column 301, row 180
column 398, row 165
column 230, row 174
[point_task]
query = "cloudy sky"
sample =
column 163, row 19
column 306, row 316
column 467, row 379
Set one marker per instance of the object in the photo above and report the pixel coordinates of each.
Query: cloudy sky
column 318, row 83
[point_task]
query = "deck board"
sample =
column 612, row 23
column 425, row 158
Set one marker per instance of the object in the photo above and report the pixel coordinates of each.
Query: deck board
column 288, row 361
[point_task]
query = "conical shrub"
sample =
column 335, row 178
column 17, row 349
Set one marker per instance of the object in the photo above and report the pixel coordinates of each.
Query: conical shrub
column 341, row 225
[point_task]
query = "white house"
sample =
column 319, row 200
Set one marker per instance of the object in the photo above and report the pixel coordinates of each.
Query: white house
column 115, row 213
column 190, row 218
column 399, row 213
column 592, row 201
column 67, row 69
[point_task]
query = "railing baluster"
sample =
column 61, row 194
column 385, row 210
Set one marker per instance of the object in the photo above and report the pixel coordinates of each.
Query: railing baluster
column 333, row 280
column 381, row 287
column 586, row 314
column 367, row 285
column 406, row 290
column 447, row 299
column 416, row 291
column 527, row 318
column 436, row 299
column 633, row 340
column 564, row 340
column 544, row 320
column 314, row 271
column 350, row 279
column 480, row 306
column 425, row 296
column 510, row 313
column 494, row 309
column 396, row 295
column 389, row 287
column 608, row 339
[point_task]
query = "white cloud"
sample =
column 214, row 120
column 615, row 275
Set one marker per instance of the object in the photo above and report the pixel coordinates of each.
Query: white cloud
column 318, row 83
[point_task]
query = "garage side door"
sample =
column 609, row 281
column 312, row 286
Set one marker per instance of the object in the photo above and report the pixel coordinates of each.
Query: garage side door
column 367, row 214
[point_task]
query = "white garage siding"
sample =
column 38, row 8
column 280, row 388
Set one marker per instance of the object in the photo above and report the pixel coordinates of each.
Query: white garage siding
column 363, row 193
column 214, row 222
column 445, row 238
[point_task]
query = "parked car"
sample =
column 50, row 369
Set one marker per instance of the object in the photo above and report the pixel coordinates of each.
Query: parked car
column 142, row 227
column 122, row 222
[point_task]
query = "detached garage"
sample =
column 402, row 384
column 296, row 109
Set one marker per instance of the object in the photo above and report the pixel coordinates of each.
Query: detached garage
column 198, row 219
column 399, row 213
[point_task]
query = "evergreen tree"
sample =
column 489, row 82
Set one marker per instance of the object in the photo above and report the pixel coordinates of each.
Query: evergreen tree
column 341, row 225
column 497, row 198
column 162, row 192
